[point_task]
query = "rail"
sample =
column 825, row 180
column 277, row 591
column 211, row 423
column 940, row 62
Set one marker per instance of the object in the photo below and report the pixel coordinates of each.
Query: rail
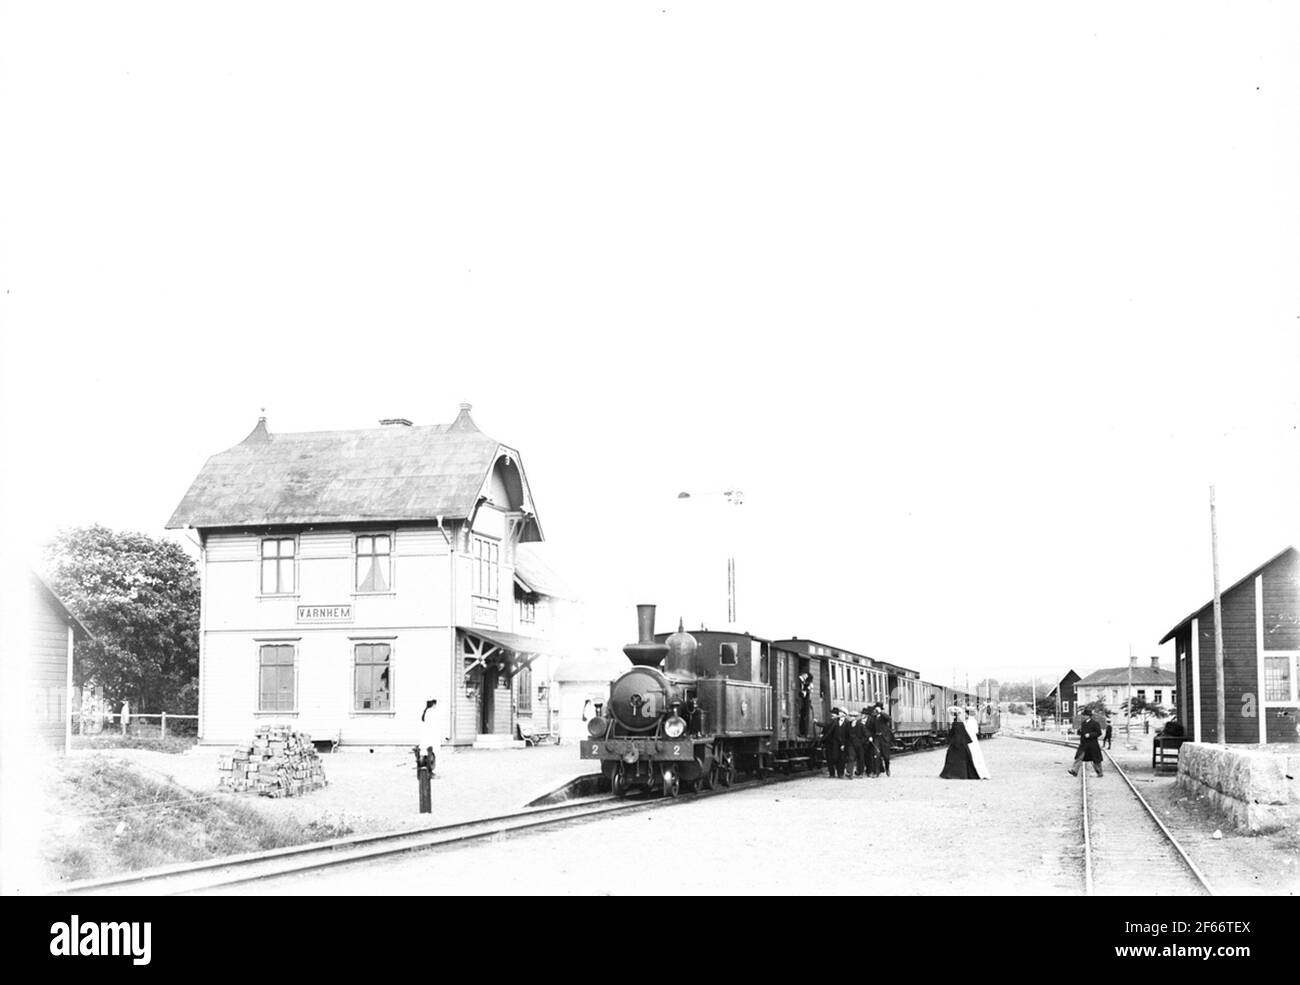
column 1168, row 836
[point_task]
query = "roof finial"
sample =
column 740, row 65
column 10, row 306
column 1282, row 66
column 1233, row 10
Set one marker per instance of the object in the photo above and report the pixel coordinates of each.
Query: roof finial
column 262, row 418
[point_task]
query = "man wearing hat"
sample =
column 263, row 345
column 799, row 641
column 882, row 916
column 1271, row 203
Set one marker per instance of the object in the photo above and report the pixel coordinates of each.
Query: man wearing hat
column 884, row 737
column 1089, row 750
column 857, row 746
column 834, row 734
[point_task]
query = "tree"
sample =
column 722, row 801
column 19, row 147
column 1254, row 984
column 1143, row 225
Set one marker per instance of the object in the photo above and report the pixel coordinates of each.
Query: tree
column 139, row 597
column 1098, row 709
column 1046, row 706
column 1140, row 706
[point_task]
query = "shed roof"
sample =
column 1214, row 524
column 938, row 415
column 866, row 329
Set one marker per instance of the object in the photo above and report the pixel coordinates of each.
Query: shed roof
column 394, row 473
column 43, row 589
column 535, row 575
column 1195, row 612
column 1119, row 675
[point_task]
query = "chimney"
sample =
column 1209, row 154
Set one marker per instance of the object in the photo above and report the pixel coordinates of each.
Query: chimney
column 1155, row 663
column 1132, row 662
column 398, row 421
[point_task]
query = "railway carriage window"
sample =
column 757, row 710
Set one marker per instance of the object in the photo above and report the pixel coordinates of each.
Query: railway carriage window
column 374, row 563
column 372, row 677
column 277, row 566
column 727, row 654
column 277, row 688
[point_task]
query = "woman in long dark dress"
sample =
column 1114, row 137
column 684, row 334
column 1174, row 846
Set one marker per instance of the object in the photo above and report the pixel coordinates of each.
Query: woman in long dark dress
column 958, row 765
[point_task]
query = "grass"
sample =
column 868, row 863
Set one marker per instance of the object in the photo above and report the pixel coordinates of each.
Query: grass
column 107, row 741
column 109, row 818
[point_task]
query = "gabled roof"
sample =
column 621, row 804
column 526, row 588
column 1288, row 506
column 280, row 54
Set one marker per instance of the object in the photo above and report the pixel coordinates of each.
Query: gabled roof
column 1196, row 612
column 394, row 473
column 42, row 588
column 1143, row 676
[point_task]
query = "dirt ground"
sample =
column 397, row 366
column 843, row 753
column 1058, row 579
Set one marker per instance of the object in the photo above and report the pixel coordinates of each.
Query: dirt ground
column 909, row 834
column 378, row 791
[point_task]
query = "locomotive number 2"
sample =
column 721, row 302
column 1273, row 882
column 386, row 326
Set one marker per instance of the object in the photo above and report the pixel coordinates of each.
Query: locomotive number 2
column 595, row 750
column 677, row 750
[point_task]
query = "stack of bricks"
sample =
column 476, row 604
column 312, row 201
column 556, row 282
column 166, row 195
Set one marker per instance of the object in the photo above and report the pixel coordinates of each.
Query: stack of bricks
column 280, row 763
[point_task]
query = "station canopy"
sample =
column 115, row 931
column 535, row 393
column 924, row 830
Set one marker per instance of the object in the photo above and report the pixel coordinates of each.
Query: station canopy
column 507, row 653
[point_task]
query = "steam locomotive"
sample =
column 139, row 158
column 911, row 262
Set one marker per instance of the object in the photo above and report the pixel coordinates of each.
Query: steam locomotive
column 697, row 709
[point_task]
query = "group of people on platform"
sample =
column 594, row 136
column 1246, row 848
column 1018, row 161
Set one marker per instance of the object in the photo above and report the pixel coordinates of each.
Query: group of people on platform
column 965, row 759
column 858, row 744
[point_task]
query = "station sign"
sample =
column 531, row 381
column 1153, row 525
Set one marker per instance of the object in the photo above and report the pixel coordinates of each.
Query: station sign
column 324, row 613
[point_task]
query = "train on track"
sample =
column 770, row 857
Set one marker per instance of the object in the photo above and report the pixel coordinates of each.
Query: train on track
column 697, row 709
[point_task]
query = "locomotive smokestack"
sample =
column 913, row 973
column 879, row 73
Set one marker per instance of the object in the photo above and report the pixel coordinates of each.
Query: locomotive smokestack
column 646, row 652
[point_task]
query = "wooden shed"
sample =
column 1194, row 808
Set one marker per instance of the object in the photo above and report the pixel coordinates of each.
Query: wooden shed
column 54, row 632
column 1261, row 658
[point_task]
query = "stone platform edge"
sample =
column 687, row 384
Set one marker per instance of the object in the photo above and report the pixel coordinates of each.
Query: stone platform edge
column 1255, row 787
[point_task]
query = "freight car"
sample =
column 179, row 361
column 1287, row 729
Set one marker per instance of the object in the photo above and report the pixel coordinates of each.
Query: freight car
column 697, row 709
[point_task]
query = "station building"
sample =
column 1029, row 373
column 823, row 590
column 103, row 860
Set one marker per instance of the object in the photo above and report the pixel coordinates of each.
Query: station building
column 1261, row 658
column 350, row 578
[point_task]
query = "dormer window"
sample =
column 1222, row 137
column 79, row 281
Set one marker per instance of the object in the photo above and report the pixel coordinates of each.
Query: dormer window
column 374, row 563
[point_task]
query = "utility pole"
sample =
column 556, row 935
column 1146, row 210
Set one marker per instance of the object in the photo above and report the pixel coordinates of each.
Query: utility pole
column 1218, row 629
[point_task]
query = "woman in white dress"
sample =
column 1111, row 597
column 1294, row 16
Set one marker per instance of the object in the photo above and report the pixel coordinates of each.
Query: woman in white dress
column 976, row 753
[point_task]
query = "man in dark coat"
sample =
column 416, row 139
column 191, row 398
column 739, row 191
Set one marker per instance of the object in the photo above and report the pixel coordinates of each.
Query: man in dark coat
column 957, row 764
column 1107, row 739
column 858, row 746
column 884, row 736
column 805, row 702
column 1089, row 750
column 833, row 736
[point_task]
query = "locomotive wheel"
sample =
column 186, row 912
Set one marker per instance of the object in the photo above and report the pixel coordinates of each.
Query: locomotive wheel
column 618, row 782
column 710, row 778
column 727, row 770
column 762, row 769
column 671, row 785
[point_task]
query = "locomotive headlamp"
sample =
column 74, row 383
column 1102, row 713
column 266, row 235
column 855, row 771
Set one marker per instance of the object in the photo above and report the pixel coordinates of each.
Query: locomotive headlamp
column 596, row 727
column 675, row 727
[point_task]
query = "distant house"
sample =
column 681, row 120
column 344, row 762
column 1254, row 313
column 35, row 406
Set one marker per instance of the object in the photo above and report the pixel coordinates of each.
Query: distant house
column 1067, row 701
column 54, row 631
column 1115, row 685
column 1261, row 657
column 351, row 577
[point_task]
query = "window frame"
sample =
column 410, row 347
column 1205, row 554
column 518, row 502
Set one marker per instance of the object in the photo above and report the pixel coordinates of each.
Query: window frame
column 391, row 554
column 524, row 690
column 1293, row 666
column 357, row 643
column 280, row 559
column 267, row 644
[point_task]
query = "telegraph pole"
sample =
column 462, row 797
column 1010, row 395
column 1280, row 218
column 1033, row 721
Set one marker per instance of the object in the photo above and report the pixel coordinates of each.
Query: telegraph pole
column 1218, row 629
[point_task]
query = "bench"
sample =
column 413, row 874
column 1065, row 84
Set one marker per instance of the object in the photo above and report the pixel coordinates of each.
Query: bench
column 534, row 738
column 1164, row 751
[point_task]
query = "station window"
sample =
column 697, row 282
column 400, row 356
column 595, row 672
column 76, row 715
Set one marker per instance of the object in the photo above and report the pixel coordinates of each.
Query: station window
column 374, row 563
column 1157, row 695
column 278, row 566
column 372, row 677
column 1278, row 679
column 1142, row 694
column 524, row 691
column 277, row 676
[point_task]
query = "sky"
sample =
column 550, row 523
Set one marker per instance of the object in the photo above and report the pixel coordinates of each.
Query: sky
column 974, row 302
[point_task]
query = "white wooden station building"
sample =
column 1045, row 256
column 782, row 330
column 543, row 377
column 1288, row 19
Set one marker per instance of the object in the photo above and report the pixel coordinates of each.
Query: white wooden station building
column 351, row 577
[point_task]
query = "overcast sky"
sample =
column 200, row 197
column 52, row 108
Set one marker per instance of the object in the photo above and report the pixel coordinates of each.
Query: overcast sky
column 973, row 301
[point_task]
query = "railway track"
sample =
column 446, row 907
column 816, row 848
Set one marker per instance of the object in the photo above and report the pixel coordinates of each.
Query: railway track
column 1126, row 848
column 211, row 874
